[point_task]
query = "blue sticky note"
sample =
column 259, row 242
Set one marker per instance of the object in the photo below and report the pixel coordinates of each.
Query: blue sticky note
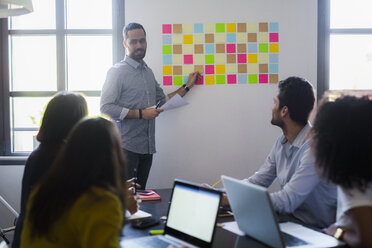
column 209, row 49
column 273, row 68
column 185, row 79
column 167, row 59
column 273, row 27
column 242, row 78
column 273, row 58
column 167, row 39
column 252, row 47
column 231, row 37
column 198, row 28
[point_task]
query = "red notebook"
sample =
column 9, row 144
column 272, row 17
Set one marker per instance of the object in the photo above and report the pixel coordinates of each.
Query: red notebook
column 149, row 197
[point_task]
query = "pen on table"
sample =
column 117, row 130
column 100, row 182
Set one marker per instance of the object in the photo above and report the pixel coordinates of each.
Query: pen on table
column 157, row 105
column 216, row 183
column 135, row 180
column 156, row 232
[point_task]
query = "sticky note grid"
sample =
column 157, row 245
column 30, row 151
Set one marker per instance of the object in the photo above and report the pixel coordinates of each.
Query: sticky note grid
column 226, row 53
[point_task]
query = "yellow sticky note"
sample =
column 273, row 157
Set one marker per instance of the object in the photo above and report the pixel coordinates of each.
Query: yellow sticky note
column 198, row 59
column 187, row 28
column 231, row 27
column 187, row 69
column 209, row 28
column 252, row 27
column 263, row 58
column 252, row 68
column 209, row 79
column 187, row 39
column 198, row 38
column 220, row 38
column 220, row 58
column 220, row 69
column 252, row 58
column 177, row 39
column 241, row 37
column 231, row 68
column 177, row 59
column 274, row 48
column 167, row 70
column 188, row 49
column 263, row 37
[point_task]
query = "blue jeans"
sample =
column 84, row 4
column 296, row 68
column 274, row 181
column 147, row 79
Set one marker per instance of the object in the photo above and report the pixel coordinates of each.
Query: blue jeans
column 142, row 163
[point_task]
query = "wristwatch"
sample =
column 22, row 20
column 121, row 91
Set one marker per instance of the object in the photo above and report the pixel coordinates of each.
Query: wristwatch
column 339, row 233
column 186, row 88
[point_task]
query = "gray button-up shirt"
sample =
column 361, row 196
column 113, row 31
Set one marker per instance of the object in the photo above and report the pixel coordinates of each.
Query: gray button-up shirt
column 132, row 85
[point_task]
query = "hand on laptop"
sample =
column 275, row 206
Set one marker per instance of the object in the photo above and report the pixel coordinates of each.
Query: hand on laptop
column 331, row 230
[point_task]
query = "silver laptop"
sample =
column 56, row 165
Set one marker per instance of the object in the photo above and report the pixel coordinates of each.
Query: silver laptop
column 255, row 216
column 191, row 221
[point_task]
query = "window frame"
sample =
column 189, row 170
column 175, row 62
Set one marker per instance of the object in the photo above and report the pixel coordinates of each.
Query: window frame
column 60, row 33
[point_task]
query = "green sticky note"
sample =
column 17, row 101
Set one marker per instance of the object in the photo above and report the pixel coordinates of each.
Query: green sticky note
column 167, row 49
column 252, row 78
column 177, row 80
column 263, row 48
column 209, row 59
column 220, row 79
column 220, row 27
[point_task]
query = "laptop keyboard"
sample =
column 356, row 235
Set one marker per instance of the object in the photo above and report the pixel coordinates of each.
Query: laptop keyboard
column 290, row 240
column 154, row 242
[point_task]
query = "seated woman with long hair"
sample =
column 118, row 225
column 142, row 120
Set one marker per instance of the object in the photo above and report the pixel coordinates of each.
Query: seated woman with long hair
column 343, row 150
column 81, row 199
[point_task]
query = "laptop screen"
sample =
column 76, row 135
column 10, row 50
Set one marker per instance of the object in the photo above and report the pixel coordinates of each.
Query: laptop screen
column 193, row 211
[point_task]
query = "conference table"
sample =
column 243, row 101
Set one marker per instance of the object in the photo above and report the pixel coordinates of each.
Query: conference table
column 159, row 208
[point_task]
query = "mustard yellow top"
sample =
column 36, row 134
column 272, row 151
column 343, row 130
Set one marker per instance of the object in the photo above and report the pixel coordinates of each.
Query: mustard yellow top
column 94, row 220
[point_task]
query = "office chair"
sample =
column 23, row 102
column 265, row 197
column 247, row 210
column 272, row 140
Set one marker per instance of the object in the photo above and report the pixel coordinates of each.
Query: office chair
column 9, row 229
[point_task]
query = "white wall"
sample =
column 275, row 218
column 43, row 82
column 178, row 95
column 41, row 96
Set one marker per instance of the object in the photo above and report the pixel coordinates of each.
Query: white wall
column 226, row 128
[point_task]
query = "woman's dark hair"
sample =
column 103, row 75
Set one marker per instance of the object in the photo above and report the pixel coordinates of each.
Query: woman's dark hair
column 343, row 141
column 92, row 156
column 61, row 114
column 298, row 95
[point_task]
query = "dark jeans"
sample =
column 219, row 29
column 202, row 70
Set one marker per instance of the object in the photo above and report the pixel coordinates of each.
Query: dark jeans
column 140, row 162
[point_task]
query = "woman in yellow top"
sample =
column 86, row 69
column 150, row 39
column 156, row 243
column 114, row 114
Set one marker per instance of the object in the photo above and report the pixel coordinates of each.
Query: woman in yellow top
column 80, row 200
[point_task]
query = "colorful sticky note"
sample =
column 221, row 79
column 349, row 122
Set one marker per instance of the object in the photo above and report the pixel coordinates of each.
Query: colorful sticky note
column 188, row 59
column 252, row 47
column 231, row 27
column 263, row 68
column 167, row 70
column 242, row 68
column 220, row 27
column 209, row 28
column 231, row 58
column 242, row 58
column 263, row 37
column 209, row 59
column 220, row 59
column 167, row 39
column 242, row 48
column 188, row 49
column 242, row 78
column 198, row 48
column 274, row 48
column 252, row 27
column 220, row 38
column 177, row 38
column 274, row 58
column 252, row 37
column 199, row 68
column 198, row 38
column 252, row 58
column 252, row 78
column 231, row 48
column 273, row 78
column 167, row 28
column 167, row 59
column 167, row 49
column 177, row 49
column 177, row 80
column 273, row 68
column 198, row 28
column 177, row 28
column 220, row 79
column 187, row 69
column 242, row 27
column 209, row 79
column 199, row 59
column 241, row 37
column 263, row 58
column 274, row 37
column 209, row 48
column 187, row 28
column 167, row 80
column 231, row 68
column 185, row 79
column 220, row 48
column 209, row 69
column 231, row 37
column 220, row 69
column 231, row 79
column 187, row 39
column 263, row 78
column 274, row 27
column 200, row 81
column 209, row 38
column 252, row 68
column 263, row 47
column 263, row 27
column 177, row 70
column 177, row 59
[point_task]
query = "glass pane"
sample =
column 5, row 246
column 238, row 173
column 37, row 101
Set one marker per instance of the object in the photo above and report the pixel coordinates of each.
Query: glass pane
column 351, row 14
column 24, row 141
column 93, row 106
column 350, row 62
column 89, row 14
column 88, row 58
column 33, row 63
column 43, row 17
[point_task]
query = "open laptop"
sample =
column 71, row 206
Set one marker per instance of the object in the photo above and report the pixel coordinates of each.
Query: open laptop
column 191, row 221
column 255, row 216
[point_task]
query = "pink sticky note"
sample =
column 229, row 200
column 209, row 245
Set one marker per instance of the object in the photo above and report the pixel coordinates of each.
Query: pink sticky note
column 274, row 37
column 200, row 81
column 230, row 48
column 209, row 69
column 167, row 80
column 167, row 28
column 242, row 58
column 231, row 79
column 263, row 79
column 188, row 59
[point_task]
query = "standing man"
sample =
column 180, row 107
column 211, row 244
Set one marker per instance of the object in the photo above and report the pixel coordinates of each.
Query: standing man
column 129, row 96
column 303, row 197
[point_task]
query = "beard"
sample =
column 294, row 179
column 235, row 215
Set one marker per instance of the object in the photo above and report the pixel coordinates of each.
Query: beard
column 139, row 54
column 277, row 122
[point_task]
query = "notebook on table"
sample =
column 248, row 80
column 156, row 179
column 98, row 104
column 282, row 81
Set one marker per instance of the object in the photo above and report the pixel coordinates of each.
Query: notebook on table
column 191, row 221
column 255, row 216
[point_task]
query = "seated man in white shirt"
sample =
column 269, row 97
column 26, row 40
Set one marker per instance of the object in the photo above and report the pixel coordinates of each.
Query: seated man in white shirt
column 303, row 197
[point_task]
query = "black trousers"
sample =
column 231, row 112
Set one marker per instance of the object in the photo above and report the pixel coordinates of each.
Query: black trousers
column 139, row 166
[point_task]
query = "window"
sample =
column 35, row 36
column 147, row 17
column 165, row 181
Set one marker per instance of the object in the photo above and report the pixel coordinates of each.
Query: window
column 345, row 50
column 64, row 45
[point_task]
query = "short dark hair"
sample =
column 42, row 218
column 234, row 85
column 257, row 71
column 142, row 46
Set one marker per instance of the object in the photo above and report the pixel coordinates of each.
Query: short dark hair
column 131, row 26
column 298, row 95
column 61, row 114
column 342, row 141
